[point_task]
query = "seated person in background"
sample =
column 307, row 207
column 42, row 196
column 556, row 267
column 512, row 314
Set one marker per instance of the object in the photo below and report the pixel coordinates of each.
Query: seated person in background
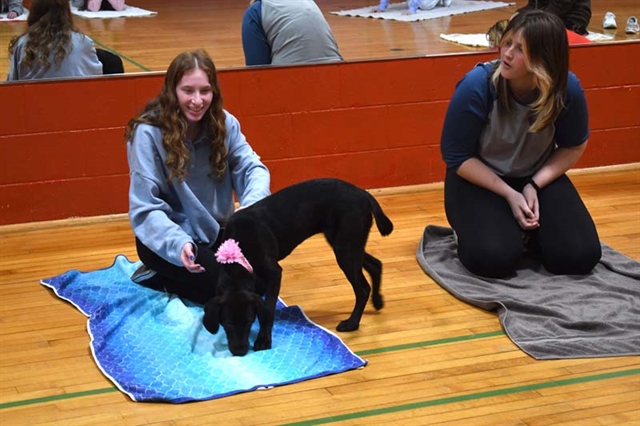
column 575, row 14
column 13, row 8
column 51, row 46
column 512, row 130
column 414, row 5
column 187, row 159
column 280, row 32
column 97, row 5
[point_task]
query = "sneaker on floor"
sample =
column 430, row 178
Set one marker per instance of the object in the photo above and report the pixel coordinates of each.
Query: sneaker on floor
column 632, row 26
column 609, row 22
column 142, row 273
column 148, row 278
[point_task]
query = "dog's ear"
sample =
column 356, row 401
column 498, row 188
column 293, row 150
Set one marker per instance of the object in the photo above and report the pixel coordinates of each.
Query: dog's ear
column 236, row 271
column 211, row 320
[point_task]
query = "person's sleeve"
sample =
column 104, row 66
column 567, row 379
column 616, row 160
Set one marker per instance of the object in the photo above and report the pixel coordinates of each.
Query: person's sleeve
column 413, row 6
column 466, row 116
column 559, row 7
column 250, row 177
column 383, row 5
column 148, row 212
column 16, row 6
column 257, row 50
column 91, row 64
column 572, row 125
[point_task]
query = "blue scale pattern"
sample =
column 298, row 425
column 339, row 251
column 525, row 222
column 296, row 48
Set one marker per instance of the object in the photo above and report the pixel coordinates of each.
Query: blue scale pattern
column 153, row 346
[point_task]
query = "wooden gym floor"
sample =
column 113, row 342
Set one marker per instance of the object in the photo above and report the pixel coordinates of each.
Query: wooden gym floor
column 149, row 44
column 433, row 360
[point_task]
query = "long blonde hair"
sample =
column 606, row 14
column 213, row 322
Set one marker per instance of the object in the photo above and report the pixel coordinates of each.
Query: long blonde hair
column 164, row 112
column 546, row 52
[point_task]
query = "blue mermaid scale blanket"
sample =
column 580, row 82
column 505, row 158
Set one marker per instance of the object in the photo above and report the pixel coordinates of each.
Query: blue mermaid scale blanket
column 153, row 347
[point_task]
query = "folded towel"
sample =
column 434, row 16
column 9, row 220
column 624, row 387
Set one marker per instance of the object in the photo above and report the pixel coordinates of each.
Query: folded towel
column 599, row 37
column 473, row 40
column 153, row 346
column 480, row 40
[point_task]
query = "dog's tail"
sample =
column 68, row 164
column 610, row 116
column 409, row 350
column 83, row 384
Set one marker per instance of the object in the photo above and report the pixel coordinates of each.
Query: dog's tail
column 384, row 224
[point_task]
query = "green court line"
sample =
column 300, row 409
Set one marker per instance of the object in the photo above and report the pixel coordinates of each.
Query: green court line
column 430, row 343
column 126, row 58
column 57, row 397
column 366, row 352
column 467, row 397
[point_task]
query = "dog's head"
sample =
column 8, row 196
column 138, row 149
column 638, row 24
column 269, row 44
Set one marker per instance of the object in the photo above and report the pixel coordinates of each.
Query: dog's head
column 236, row 312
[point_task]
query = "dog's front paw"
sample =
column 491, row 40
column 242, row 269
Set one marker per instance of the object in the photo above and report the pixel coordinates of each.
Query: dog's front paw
column 262, row 343
column 347, row 325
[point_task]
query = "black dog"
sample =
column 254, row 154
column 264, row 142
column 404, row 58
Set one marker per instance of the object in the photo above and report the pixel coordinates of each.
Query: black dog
column 269, row 230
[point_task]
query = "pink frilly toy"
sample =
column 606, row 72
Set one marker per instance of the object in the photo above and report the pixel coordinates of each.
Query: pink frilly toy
column 229, row 252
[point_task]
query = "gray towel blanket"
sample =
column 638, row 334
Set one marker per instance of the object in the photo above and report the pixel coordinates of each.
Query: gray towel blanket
column 548, row 316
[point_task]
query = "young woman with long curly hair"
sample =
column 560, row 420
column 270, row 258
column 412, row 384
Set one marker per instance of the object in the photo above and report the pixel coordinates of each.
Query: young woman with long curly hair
column 187, row 160
column 52, row 47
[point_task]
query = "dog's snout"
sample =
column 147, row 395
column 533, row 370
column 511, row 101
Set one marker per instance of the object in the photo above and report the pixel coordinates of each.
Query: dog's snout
column 239, row 349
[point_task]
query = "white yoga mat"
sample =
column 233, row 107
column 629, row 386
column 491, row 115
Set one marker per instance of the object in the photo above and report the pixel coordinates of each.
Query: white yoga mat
column 129, row 11
column 480, row 40
column 395, row 10
column 23, row 17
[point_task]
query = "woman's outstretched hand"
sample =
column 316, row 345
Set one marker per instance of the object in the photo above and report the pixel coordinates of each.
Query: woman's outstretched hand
column 188, row 257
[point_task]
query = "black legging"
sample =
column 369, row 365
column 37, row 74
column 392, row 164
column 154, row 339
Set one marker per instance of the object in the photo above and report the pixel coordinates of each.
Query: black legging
column 111, row 63
column 197, row 287
column 491, row 243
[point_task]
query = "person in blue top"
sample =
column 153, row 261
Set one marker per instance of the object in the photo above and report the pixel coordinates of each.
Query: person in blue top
column 414, row 5
column 513, row 128
column 187, row 159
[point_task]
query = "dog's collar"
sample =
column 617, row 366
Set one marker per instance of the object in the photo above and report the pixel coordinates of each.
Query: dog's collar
column 229, row 252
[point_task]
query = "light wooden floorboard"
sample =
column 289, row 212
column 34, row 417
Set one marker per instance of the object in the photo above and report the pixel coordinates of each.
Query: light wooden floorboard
column 149, row 44
column 413, row 376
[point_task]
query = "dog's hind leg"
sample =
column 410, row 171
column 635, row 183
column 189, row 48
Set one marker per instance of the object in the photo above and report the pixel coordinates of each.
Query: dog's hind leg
column 374, row 267
column 350, row 261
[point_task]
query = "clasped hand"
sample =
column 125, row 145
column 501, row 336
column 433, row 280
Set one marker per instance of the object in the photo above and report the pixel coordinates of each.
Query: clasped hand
column 525, row 207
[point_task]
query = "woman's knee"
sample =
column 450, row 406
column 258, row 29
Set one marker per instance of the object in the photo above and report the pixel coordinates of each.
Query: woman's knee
column 575, row 261
column 490, row 260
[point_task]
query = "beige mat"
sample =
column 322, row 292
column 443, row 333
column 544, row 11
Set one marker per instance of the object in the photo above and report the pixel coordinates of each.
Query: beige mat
column 480, row 40
column 129, row 11
column 395, row 11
